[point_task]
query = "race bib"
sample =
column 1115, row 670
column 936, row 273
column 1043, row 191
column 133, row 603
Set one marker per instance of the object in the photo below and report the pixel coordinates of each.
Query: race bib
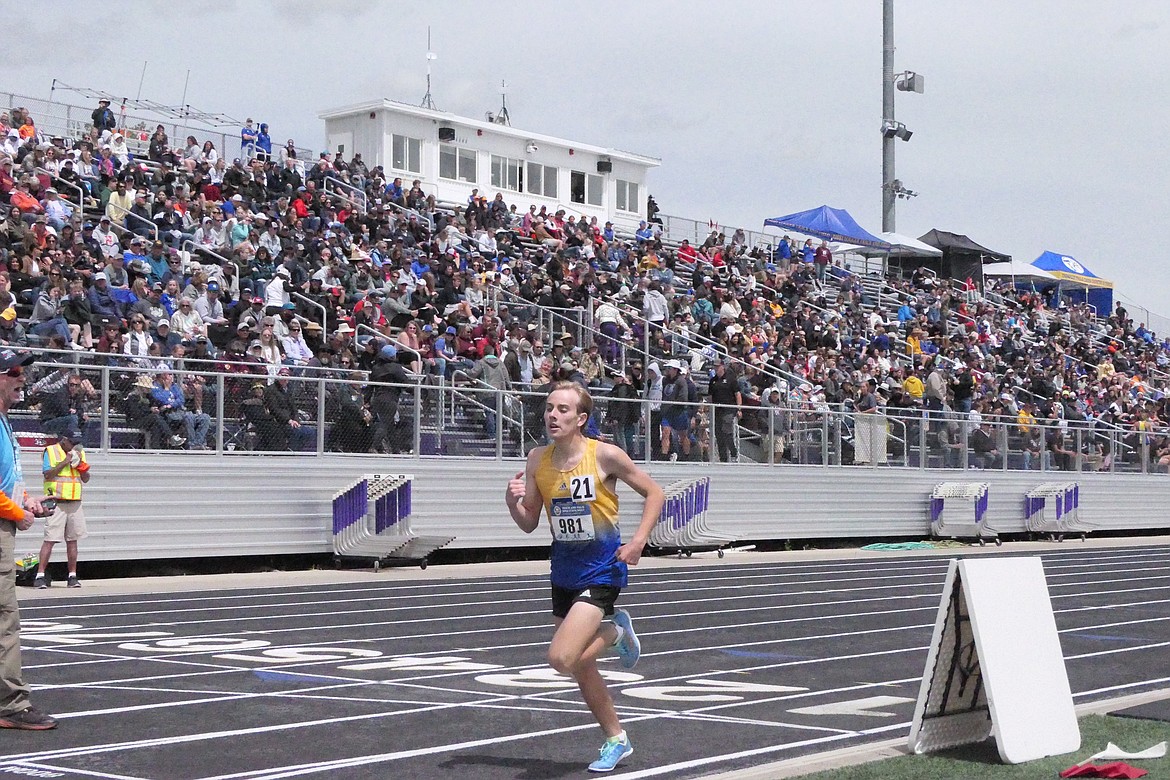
column 582, row 488
column 571, row 521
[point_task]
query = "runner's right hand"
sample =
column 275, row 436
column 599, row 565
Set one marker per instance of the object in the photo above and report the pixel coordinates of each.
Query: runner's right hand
column 517, row 487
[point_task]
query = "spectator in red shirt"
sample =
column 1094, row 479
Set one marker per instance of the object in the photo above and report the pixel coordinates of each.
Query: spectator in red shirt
column 822, row 258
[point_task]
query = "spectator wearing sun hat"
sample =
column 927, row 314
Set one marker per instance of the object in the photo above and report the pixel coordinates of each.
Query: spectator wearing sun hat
column 11, row 331
column 142, row 412
column 57, row 210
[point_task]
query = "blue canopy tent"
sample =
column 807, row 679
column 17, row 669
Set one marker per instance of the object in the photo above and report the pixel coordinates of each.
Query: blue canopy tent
column 1075, row 283
column 828, row 223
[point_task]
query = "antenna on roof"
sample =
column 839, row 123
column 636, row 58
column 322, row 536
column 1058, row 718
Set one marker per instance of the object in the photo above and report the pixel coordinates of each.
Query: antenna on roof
column 431, row 57
column 502, row 117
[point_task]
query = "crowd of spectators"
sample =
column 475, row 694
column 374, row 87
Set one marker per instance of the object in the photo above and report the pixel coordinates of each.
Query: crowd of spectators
column 162, row 257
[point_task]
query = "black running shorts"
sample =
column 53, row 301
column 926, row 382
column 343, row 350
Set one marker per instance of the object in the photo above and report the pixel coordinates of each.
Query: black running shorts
column 601, row 596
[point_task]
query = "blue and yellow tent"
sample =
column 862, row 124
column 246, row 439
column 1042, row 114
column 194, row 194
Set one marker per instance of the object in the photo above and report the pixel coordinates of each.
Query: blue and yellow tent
column 1075, row 283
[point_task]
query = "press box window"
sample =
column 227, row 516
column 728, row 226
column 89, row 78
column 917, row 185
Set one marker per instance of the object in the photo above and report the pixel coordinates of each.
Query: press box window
column 542, row 180
column 507, row 174
column 585, row 188
column 627, row 196
column 456, row 163
column 406, row 153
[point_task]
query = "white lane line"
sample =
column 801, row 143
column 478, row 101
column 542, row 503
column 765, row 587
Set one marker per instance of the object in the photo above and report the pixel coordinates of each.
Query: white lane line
column 669, row 652
column 1112, row 651
column 346, row 763
column 722, row 583
column 763, row 751
column 298, row 665
column 112, row 747
column 383, row 592
column 716, row 573
column 637, row 596
column 1124, row 686
column 535, row 599
column 727, row 719
column 807, row 619
column 70, row 770
column 39, row 636
column 206, row 700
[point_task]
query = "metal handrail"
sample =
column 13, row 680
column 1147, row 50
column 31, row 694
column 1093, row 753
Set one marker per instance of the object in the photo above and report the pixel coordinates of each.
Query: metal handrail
column 311, row 302
column 55, row 179
column 363, row 204
column 75, row 357
column 412, row 213
column 204, row 250
column 380, row 335
column 819, row 428
column 499, row 411
column 153, row 227
column 766, row 369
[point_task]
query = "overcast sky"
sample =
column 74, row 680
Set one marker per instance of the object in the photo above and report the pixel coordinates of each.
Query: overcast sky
column 1044, row 123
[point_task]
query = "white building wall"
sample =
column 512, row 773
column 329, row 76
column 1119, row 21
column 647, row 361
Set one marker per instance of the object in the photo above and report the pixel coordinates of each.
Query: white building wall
column 370, row 130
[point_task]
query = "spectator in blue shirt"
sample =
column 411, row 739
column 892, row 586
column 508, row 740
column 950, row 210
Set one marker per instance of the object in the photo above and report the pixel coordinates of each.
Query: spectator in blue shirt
column 168, row 394
column 785, row 250
column 263, row 143
column 808, row 252
column 394, row 192
column 101, row 301
column 248, row 136
column 419, row 266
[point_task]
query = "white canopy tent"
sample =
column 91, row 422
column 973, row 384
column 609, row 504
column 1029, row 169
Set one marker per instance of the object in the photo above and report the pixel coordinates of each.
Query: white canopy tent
column 900, row 246
column 1018, row 271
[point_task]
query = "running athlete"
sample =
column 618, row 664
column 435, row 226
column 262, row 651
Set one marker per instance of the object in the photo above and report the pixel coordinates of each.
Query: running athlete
column 575, row 480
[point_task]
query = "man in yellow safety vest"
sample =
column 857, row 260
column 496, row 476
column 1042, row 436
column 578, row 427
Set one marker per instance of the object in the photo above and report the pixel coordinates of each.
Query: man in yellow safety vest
column 65, row 470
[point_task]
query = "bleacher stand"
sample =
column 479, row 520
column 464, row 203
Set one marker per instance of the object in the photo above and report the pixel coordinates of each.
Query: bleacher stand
column 99, row 230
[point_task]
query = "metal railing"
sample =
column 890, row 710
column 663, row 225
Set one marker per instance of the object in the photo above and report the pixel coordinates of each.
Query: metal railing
column 678, row 228
column 377, row 334
column 349, row 193
column 153, row 227
column 79, row 206
column 317, row 305
column 340, row 411
column 196, row 249
column 59, row 119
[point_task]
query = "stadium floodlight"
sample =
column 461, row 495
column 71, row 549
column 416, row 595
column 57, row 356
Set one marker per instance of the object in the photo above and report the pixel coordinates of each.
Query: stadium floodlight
column 910, row 82
column 892, row 129
column 900, row 190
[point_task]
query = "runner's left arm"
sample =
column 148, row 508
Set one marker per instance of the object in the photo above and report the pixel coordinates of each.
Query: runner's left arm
column 616, row 463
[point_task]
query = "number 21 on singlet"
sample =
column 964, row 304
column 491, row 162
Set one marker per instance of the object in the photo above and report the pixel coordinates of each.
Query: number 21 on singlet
column 581, row 488
column 572, row 517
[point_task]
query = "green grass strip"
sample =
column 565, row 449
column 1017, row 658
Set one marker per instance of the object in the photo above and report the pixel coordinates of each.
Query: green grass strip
column 982, row 762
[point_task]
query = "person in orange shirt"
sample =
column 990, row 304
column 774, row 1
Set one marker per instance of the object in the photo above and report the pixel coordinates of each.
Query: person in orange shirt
column 18, row 510
column 24, row 201
column 28, row 131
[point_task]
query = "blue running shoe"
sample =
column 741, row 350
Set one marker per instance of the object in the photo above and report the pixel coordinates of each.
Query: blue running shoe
column 629, row 649
column 612, row 752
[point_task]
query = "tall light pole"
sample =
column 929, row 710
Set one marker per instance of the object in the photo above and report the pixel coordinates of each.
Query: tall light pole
column 892, row 129
column 887, row 116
